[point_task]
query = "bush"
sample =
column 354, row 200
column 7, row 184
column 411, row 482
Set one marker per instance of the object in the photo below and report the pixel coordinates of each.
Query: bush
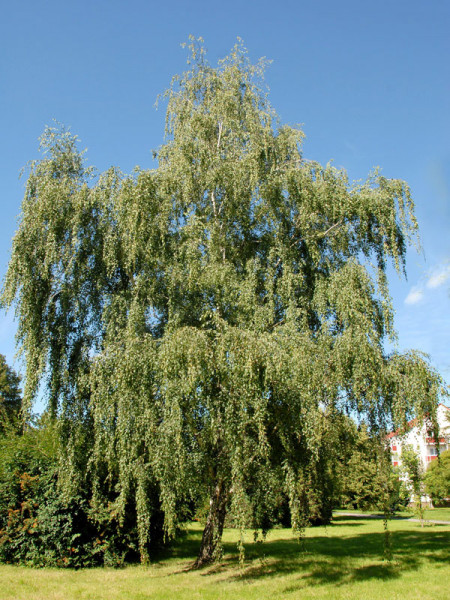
column 36, row 526
column 40, row 526
column 41, row 530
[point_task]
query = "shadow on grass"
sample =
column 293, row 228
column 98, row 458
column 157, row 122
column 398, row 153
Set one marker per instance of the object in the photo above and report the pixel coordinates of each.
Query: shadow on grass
column 326, row 559
column 185, row 547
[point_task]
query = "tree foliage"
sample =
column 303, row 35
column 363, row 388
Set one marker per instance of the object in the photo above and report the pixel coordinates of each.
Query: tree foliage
column 10, row 397
column 197, row 319
column 365, row 476
column 413, row 472
column 437, row 479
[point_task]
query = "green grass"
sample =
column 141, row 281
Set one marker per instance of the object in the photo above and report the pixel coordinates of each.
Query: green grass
column 342, row 561
column 436, row 514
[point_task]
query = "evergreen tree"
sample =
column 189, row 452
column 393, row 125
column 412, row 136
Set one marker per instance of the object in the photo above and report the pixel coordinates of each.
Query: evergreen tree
column 10, row 396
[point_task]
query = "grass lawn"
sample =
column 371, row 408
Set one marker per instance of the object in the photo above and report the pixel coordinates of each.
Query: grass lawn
column 341, row 561
column 436, row 514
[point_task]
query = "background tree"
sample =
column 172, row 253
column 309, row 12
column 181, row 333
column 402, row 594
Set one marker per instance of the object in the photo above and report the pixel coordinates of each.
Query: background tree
column 437, row 479
column 364, row 472
column 196, row 320
column 10, row 397
column 413, row 472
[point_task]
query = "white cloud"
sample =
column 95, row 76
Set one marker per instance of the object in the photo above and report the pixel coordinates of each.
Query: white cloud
column 439, row 277
column 415, row 295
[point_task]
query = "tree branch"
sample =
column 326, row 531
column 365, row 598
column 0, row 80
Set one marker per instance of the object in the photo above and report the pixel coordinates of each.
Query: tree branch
column 220, row 134
column 322, row 235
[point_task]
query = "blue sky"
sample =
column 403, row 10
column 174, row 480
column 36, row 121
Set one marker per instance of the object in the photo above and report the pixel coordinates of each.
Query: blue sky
column 369, row 82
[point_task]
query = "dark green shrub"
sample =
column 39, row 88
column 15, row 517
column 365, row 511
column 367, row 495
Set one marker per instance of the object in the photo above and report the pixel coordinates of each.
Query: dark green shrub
column 40, row 525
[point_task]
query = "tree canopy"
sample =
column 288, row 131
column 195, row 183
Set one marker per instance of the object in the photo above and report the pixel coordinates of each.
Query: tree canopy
column 205, row 321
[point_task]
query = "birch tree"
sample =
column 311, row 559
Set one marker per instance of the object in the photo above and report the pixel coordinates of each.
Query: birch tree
column 200, row 319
